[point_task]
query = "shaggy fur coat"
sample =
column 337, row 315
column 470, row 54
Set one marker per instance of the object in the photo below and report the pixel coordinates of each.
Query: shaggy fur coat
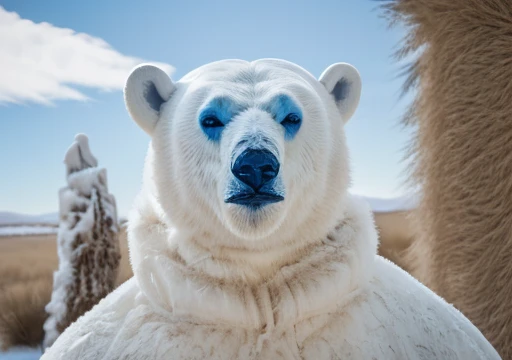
column 335, row 299
column 463, row 155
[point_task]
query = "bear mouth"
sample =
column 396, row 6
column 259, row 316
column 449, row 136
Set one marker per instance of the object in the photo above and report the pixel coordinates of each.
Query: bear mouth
column 254, row 200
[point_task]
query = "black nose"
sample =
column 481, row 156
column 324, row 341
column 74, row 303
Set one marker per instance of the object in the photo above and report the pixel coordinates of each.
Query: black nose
column 255, row 168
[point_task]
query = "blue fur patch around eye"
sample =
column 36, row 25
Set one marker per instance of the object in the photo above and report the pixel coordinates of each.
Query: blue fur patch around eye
column 215, row 115
column 152, row 96
column 287, row 113
column 341, row 90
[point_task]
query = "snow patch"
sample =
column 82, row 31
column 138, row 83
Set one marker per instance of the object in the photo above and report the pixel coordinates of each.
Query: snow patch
column 381, row 205
column 21, row 353
column 27, row 230
column 79, row 156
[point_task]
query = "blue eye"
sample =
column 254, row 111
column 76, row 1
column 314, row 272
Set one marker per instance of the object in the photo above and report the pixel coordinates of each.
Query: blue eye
column 211, row 122
column 291, row 123
column 216, row 114
column 286, row 111
column 211, row 126
column 291, row 119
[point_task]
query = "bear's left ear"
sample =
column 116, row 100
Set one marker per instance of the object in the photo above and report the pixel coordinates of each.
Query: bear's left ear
column 146, row 89
column 343, row 82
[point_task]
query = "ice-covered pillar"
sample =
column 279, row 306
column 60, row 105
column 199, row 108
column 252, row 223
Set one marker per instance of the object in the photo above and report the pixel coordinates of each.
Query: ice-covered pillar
column 87, row 242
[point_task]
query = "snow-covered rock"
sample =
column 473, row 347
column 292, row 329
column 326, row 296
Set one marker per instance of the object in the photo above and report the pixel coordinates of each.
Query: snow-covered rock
column 88, row 244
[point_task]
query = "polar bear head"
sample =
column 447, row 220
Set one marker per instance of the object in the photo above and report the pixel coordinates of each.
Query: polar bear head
column 247, row 154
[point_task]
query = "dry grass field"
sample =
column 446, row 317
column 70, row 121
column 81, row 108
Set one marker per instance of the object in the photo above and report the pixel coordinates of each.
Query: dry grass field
column 26, row 271
column 396, row 235
column 27, row 264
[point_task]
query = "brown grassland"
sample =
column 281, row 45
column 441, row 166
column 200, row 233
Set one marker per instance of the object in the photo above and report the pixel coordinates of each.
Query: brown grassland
column 27, row 264
column 395, row 236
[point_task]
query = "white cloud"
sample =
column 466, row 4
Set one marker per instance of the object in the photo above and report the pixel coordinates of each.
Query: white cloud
column 41, row 62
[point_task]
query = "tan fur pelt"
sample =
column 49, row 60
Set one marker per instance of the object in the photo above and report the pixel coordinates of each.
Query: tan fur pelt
column 463, row 154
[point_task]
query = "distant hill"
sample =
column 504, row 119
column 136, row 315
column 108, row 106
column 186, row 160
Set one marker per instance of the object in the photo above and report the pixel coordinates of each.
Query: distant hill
column 16, row 219
column 403, row 203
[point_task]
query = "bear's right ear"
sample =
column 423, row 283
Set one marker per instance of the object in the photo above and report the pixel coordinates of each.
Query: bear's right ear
column 146, row 89
column 343, row 82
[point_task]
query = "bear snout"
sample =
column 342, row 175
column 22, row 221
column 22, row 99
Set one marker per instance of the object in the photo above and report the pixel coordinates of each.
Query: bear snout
column 256, row 181
column 255, row 168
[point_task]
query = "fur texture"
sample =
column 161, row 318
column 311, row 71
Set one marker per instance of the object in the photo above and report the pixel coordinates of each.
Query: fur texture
column 295, row 279
column 463, row 154
column 338, row 301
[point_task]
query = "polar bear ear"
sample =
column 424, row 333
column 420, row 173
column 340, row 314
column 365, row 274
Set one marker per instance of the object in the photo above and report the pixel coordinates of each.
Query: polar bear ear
column 146, row 89
column 343, row 82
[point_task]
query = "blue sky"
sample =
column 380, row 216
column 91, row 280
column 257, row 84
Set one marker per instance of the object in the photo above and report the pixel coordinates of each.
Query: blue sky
column 34, row 134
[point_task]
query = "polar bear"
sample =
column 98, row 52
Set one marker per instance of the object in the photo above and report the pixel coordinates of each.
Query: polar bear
column 244, row 241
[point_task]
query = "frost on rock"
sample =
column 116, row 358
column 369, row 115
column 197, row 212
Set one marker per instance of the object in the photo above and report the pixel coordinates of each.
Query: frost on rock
column 87, row 241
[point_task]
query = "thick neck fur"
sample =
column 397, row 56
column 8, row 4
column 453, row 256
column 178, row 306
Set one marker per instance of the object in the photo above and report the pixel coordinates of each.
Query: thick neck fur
column 269, row 288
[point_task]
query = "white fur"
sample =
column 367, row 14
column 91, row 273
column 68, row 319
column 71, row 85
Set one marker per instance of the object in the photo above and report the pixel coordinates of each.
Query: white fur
column 137, row 106
column 186, row 193
column 297, row 279
column 345, row 72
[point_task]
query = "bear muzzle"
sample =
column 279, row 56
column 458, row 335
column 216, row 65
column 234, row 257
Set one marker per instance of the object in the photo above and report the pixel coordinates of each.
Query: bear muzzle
column 256, row 171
